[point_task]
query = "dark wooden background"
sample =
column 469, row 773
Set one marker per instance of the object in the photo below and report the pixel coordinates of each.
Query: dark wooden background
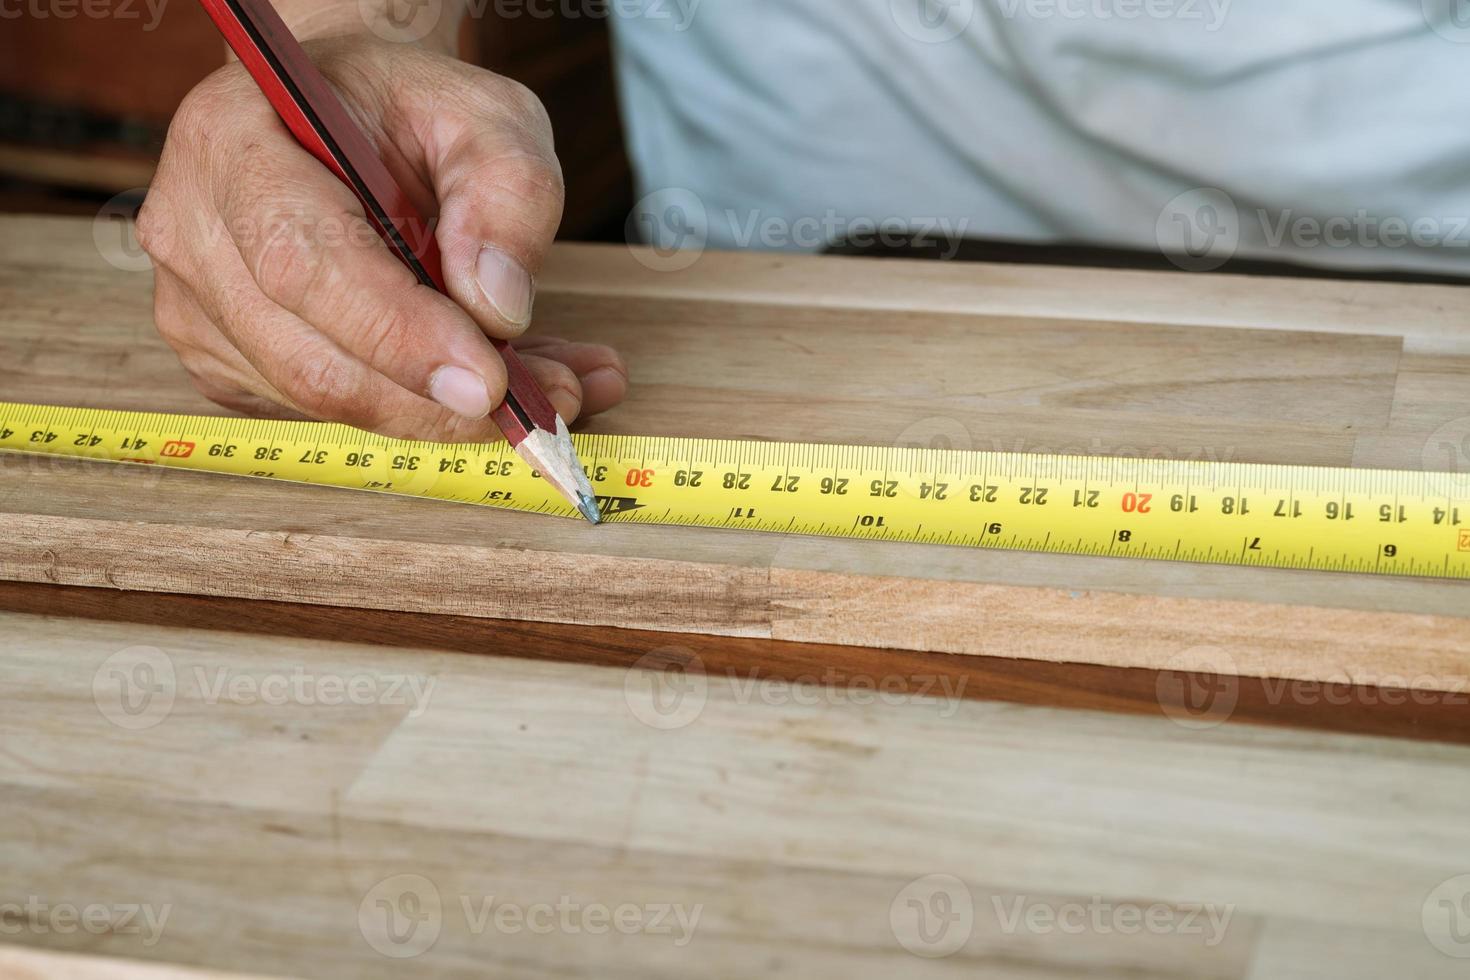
column 85, row 101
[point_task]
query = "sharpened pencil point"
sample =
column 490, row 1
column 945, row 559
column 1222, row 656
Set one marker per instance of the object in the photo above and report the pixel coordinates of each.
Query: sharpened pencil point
column 588, row 506
column 553, row 454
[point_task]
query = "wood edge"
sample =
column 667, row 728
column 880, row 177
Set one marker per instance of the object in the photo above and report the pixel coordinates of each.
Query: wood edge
column 846, row 670
column 974, row 288
column 487, row 583
column 34, row 963
column 1198, row 636
column 992, row 289
column 1219, row 637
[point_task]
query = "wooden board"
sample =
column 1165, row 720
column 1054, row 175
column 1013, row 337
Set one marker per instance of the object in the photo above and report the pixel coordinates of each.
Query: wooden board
column 19, row 963
column 1422, row 715
column 798, row 820
column 803, row 348
column 796, row 823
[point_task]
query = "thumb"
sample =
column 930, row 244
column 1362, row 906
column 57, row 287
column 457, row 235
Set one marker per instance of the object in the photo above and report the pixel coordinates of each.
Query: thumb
column 500, row 194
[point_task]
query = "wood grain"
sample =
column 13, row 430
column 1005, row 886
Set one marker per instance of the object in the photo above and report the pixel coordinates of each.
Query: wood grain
column 982, row 356
column 795, row 820
column 18, row 963
column 1362, row 710
column 1426, row 316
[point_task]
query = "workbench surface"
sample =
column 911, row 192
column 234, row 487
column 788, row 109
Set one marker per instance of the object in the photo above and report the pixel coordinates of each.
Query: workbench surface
column 830, row 809
column 824, row 350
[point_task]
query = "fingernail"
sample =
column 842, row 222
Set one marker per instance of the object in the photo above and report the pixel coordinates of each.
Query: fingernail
column 566, row 403
column 507, row 285
column 462, row 392
column 606, row 381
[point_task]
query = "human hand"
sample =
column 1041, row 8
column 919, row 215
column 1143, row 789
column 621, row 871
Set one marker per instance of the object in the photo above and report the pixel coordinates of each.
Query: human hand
column 280, row 299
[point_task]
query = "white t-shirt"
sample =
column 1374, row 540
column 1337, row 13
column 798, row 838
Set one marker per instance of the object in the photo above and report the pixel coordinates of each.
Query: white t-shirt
column 1330, row 132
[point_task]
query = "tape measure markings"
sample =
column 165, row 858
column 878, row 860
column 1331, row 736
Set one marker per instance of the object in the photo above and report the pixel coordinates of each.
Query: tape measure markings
column 1376, row 521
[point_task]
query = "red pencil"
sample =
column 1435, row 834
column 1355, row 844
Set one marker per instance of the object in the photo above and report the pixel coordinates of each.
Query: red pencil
column 320, row 123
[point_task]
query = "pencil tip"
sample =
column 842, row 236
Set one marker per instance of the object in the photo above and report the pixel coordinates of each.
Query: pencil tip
column 588, row 506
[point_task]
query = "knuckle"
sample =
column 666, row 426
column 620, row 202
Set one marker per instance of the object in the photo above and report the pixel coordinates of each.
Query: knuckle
column 326, row 391
column 538, row 176
column 197, row 366
column 531, row 180
column 317, row 384
column 151, row 229
column 388, row 330
column 286, row 234
column 391, row 332
column 561, row 377
column 209, row 106
column 178, row 325
column 199, row 110
column 286, row 268
column 617, row 362
column 174, row 331
column 221, row 88
column 210, row 390
column 212, row 387
column 525, row 104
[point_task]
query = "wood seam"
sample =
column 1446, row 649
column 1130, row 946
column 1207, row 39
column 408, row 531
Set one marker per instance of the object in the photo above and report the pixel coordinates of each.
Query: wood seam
column 1019, row 622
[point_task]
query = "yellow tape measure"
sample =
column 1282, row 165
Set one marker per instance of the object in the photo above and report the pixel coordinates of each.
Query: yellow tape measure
column 1367, row 521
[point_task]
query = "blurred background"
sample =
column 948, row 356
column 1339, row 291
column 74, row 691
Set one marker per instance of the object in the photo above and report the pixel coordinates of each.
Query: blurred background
column 73, row 134
column 1082, row 143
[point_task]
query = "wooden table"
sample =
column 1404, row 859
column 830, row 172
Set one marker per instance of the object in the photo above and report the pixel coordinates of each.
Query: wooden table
column 200, row 756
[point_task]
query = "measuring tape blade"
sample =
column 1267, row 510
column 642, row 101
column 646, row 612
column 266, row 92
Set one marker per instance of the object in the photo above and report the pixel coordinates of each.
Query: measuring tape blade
column 1345, row 520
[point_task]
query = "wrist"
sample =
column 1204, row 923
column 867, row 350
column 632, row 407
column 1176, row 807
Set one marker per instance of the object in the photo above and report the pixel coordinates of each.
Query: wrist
column 431, row 24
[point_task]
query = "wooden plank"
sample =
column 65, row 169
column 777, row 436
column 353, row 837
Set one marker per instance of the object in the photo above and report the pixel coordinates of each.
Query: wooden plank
column 798, row 825
column 77, row 331
column 1362, row 710
column 20, row 963
column 1424, row 314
